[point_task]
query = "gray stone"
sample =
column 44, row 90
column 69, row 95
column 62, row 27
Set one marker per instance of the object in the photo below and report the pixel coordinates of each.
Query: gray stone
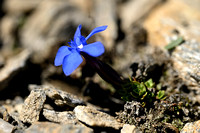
column 12, row 67
column 186, row 60
column 11, row 117
column 60, row 117
column 60, row 97
column 32, row 106
column 130, row 129
column 5, row 127
column 93, row 117
column 48, row 127
column 19, row 125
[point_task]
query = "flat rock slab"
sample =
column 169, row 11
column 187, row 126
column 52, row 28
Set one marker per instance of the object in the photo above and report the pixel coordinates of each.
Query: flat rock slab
column 130, row 129
column 32, row 106
column 186, row 60
column 60, row 97
column 60, row 117
column 48, row 127
column 93, row 117
column 5, row 127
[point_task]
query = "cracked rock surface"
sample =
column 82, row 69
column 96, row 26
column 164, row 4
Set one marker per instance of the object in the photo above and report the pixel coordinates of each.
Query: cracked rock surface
column 93, row 117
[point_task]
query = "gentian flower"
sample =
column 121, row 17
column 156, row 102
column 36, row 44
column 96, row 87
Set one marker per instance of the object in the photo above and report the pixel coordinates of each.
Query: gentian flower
column 70, row 57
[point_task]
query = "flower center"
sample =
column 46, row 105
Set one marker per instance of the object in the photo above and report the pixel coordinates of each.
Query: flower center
column 80, row 46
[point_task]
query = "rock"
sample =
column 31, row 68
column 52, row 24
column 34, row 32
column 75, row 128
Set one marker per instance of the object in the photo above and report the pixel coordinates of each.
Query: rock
column 193, row 127
column 188, row 128
column 19, row 6
column 129, row 129
column 147, row 67
column 49, row 24
column 133, row 113
column 5, row 127
column 33, row 106
column 18, row 107
column 15, row 105
column 13, row 67
column 19, row 125
column 60, row 117
column 105, row 14
column 11, row 118
column 133, row 10
column 167, row 23
column 93, row 117
column 48, row 127
column 4, row 114
column 60, row 98
column 148, row 58
column 186, row 60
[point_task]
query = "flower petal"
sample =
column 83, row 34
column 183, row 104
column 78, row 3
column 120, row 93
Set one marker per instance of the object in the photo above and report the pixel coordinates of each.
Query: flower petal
column 94, row 49
column 78, row 32
column 62, row 52
column 72, row 44
column 96, row 30
column 71, row 62
column 83, row 40
column 78, row 41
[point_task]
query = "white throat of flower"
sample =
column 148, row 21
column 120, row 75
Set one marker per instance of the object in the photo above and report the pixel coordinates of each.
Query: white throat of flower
column 80, row 46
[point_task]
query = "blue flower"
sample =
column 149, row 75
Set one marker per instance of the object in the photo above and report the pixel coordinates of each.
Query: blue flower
column 70, row 58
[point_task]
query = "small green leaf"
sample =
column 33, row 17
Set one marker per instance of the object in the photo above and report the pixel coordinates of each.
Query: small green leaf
column 159, row 86
column 142, row 89
column 149, row 83
column 174, row 43
column 161, row 94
